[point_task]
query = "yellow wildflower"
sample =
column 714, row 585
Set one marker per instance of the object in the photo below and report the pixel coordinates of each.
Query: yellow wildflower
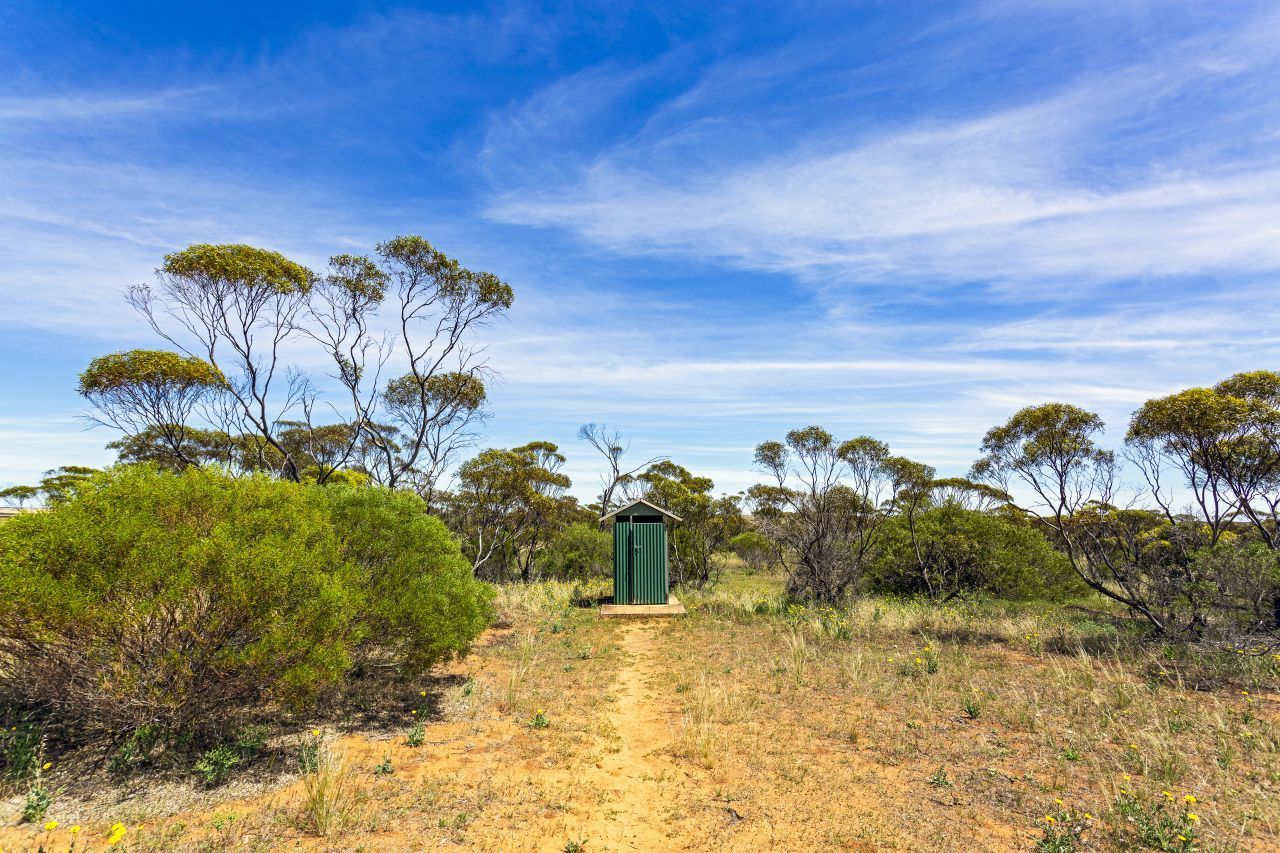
column 1049, row 819
column 413, row 712
column 51, row 826
column 1168, row 796
column 47, row 765
column 1088, row 816
column 1193, row 817
column 316, row 732
column 1059, row 802
column 1191, row 800
column 422, row 693
column 1127, row 777
column 75, row 828
column 918, row 660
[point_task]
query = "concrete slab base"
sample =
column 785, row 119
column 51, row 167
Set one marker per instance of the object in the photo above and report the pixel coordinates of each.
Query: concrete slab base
column 673, row 607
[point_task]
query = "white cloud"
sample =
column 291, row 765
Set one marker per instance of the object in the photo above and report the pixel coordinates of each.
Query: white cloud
column 1111, row 177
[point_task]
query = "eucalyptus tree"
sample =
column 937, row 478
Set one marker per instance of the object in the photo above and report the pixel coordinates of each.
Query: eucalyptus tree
column 1224, row 444
column 429, row 422
column 507, row 503
column 826, row 506
column 56, row 486
column 244, row 310
column 235, row 306
column 1051, row 450
column 610, row 445
column 19, row 495
column 413, row 426
column 153, row 392
column 198, row 446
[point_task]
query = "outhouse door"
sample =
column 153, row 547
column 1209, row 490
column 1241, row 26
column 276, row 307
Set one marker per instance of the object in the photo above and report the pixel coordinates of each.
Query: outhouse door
column 640, row 560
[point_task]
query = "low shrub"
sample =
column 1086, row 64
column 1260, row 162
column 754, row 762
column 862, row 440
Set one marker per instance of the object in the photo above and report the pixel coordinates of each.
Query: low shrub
column 177, row 601
column 19, row 753
column 215, row 766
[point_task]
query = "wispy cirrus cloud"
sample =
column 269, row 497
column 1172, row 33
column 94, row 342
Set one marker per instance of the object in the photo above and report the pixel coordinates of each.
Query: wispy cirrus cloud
column 1163, row 168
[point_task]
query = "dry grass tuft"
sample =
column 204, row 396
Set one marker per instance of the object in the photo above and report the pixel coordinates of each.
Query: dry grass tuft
column 328, row 793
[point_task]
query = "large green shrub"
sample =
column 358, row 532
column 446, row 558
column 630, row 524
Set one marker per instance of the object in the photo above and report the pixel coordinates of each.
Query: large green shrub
column 957, row 551
column 176, row 600
column 420, row 600
column 578, row 552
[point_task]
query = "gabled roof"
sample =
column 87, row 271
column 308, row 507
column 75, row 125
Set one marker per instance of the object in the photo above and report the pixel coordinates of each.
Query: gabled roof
column 629, row 505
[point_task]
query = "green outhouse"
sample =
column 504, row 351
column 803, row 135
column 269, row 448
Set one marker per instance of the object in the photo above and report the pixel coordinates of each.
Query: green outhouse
column 640, row 552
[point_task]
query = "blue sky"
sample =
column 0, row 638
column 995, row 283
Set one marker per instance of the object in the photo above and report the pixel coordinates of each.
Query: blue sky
column 902, row 220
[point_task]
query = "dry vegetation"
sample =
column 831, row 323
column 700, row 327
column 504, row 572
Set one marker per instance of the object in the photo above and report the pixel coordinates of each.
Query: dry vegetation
column 983, row 716
column 750, row 725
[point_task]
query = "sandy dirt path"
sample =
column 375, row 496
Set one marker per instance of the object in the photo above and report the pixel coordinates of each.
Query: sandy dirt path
column 635, row 779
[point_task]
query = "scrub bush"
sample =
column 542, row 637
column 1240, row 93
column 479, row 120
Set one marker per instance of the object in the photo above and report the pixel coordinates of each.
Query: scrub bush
column 420, row 602
column 577, row 553
column 177, row 601
column 958, row 551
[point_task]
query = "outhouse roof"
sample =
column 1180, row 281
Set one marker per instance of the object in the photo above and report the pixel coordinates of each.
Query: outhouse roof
column 667, row 513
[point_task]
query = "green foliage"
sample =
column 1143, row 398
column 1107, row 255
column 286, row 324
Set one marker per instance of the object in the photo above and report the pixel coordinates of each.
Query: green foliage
column 414, row 258
column 153, row 368
column 579, row 551
column 134, row 750
column 215, row 766
column 19, row 494
column 1162, row 824
column 250, row 741
column 178, row 600
column 1063, row 831
column 419, row 597
column 439, row 392
column 959, row 551
column 1057, row 435
column 36, row 803
column 56, row 486
column 358, row 279
column 238, row 265
column 19, row 752
column 753, row 548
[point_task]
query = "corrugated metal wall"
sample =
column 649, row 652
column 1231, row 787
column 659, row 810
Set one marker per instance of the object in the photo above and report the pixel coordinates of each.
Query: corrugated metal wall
column 649, row 555
column 639, row 563
column 621, row 562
